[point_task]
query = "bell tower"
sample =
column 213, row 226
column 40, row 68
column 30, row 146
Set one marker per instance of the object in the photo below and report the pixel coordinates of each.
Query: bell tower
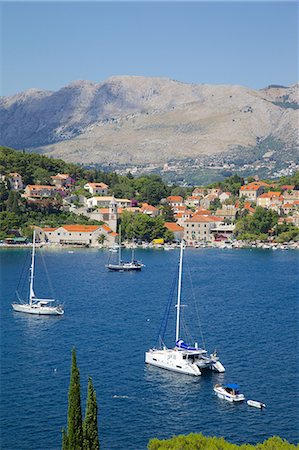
column 113, row 216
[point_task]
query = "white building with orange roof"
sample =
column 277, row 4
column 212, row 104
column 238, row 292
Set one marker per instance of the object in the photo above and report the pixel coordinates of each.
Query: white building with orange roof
column 15, row 181
column 182, row 216
column 252, row 191
column 97, row 188
column 176, row 229
column 192, row 201
column 62, row 179
column 224, row 196
column 175, row 200
column 84, row 235
column 104, row 202
column 269, row 198
column 35, row 191
column 198, row 229
column 150, row 210
column 207, row 200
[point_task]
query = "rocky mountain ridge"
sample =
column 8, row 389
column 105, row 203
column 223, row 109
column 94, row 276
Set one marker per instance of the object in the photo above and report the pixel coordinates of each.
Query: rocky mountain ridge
column 139, row 120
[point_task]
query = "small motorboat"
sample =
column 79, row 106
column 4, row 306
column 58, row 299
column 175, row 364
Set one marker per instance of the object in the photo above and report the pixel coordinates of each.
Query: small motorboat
column 256, row 404
column 229, row 392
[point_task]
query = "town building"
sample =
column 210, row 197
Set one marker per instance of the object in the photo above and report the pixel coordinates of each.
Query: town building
column 15, row 181
column 34, row 191
column 104, row 202
column 150, row 210
column 175, row 200
column 198, row 228
column 252, row 191
column 83, row 235
column 269, row 198
column 177, row 230
column 192, row 201
column 62, row 180
column 227, row 212
column 97, row 188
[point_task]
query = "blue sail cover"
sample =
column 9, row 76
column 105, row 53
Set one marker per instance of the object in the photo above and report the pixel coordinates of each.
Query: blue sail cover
column 181, row 344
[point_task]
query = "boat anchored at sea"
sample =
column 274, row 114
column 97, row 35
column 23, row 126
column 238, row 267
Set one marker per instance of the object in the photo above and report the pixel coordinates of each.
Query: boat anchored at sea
column 125, row 266
column 229, row 392
column 35, row 305
column 183, row 358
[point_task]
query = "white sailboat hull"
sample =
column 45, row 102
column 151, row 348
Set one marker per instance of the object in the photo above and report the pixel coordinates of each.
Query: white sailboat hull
column 171, row 360
column 38, row 309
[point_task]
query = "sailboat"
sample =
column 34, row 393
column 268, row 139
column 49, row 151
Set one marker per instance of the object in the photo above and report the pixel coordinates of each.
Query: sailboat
column 125, row 266
column 183, row 358
column 35, row 305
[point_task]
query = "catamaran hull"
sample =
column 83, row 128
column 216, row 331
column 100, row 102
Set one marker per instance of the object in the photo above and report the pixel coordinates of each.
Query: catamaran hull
column 187, row 369
column 41, row 311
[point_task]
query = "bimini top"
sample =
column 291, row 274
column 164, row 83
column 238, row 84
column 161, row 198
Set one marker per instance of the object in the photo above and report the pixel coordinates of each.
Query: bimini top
column 181, row 344
column 232, row 386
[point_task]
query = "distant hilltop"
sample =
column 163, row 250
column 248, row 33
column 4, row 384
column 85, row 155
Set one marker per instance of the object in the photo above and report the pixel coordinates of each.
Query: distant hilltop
column 139, row 120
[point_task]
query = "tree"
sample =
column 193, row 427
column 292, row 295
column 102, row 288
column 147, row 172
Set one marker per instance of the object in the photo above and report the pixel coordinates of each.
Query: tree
column 73, row 438
column 90, row 425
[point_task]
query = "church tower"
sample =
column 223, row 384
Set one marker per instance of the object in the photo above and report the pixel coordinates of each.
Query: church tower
column 113, row 215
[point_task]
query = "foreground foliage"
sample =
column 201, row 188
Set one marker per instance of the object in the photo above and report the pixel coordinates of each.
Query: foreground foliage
column 80, row 435
column 199, row 442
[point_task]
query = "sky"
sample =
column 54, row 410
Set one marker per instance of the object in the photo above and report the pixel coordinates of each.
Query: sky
column 47, row 45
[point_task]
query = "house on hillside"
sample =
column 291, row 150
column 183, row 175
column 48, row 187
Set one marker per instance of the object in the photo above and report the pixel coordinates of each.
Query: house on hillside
column 97, row 188
column 175, row 200
column 252, row 191
column 269, row 198
column 37, row 191
column 15, row 181
column 192, row 201
column 62, row 180
column 150, row 210
column 104, row 202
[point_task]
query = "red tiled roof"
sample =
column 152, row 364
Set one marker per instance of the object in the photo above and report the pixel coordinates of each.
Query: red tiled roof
column 172, row 226
column 175, row 198
column 49, row 229
column 147, row 207
column 81, row 228
column 39, row 186
column 199, row 218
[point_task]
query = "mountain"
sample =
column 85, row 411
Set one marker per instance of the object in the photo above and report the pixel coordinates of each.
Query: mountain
column 138, row 120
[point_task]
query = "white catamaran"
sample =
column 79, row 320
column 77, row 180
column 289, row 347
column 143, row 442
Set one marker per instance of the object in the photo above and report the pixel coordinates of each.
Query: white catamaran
column 124, row 266
column 183, row 358
column 41, row 306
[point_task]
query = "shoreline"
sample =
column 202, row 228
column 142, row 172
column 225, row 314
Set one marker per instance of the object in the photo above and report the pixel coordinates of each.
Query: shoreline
column 221, row 246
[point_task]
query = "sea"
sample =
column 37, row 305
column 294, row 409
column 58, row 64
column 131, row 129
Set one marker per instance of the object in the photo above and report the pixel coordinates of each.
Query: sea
column 241, row 302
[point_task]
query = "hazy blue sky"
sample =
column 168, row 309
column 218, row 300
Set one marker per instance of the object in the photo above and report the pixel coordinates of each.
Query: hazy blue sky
column 48, row 45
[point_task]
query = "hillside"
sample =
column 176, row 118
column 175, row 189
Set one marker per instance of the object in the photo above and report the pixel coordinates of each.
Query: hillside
column 137, row 120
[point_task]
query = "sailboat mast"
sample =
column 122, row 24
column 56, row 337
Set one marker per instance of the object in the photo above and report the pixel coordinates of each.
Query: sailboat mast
column 119, row 243
column 31, row 291
column 177, row 333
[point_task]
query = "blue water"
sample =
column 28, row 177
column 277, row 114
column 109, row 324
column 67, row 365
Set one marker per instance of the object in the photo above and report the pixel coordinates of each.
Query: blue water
column 248, row 305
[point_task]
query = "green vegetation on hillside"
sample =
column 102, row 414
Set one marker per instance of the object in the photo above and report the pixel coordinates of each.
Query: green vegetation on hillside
column 199, row 442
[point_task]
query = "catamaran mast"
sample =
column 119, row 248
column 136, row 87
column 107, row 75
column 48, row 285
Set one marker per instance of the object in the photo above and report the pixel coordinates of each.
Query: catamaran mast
column 31, row 291
column 119, row 243
column 177, row 333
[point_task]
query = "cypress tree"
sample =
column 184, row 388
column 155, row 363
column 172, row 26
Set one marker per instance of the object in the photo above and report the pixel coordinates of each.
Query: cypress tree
column 65, row 444
column 74, row 426
column 90, row 425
